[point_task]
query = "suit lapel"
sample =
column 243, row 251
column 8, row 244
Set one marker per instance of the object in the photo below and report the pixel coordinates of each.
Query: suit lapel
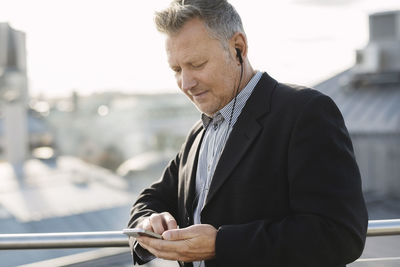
column 191, row 170
column 244, row 133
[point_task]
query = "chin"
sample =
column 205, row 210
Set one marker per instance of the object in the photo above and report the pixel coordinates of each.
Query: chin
column 202, row 108
column 206, row 110
column 207, row 107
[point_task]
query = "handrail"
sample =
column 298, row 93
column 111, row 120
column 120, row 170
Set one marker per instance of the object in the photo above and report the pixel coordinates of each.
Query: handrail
column 118, row 239
column 383, row 227
column 63, row 240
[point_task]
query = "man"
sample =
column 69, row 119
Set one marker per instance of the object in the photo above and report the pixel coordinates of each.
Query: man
column 266, row 178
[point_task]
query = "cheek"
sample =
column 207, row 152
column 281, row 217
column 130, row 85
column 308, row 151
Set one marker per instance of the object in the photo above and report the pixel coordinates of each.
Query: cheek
column 223, row 85
column 209, row 78
column 222, row 78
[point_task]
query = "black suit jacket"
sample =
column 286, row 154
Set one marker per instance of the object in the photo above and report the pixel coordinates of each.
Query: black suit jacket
column 286, row 190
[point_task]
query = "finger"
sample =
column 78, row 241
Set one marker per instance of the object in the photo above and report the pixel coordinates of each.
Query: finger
column 146, row 225
column 167, row 255
column 147, row 247
column 169, row 221
column 156, row 223
column 151, row 242
column 160, row 248
column 159, row 244
column 175, row 250
column 179, row 234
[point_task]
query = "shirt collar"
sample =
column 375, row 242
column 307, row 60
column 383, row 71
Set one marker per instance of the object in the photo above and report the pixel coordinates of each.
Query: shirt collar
column 206, row 120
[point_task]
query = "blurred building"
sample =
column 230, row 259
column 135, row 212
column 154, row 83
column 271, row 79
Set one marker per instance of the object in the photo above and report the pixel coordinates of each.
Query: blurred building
column 130, row 125
column 13, row 95
column 368, row 95
column 22, row 130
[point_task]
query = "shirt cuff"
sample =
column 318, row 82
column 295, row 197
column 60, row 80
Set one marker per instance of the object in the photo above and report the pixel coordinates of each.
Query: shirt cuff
column 143, row 254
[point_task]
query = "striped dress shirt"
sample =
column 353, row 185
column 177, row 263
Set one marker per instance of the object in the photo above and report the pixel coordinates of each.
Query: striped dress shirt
column 214, row 140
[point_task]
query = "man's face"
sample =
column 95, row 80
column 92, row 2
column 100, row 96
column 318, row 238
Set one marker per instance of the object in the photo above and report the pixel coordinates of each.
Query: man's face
column 204, row 70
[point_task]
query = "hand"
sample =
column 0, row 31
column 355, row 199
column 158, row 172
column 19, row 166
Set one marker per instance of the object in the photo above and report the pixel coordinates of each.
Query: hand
column 194, row 243
column 158, row 223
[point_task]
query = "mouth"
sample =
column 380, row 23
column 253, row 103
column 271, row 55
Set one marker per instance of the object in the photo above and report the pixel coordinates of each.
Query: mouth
column 199, row 95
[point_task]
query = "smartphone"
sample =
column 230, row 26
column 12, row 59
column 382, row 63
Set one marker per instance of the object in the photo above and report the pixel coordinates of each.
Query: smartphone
column 136, row 232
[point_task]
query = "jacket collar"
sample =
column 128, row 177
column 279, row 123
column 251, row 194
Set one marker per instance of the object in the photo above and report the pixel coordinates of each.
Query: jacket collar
column 244, row 132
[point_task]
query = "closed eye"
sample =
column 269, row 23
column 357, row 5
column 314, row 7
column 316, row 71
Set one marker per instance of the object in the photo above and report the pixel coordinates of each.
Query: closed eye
column 197, row 66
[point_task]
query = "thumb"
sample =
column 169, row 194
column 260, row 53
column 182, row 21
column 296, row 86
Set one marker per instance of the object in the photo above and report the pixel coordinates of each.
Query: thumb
column 178, row 234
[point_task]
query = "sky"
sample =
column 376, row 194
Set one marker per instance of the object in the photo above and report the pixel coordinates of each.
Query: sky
column 112, row 45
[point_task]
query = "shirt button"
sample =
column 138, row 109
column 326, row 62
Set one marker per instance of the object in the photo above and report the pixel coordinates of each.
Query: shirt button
column 215, row 126
column 208, row 167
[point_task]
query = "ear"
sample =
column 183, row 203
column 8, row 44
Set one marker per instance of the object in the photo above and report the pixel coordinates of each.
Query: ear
column 238, row 41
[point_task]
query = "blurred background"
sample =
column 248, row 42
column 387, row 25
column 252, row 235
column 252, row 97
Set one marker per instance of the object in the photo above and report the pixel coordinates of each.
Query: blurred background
column 90, row 113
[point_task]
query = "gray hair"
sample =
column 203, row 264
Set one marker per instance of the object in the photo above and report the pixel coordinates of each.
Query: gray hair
column 220, row 17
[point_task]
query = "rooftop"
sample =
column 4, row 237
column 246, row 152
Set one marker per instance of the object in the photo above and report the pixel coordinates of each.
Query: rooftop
column 372, row 109
column 66, row 195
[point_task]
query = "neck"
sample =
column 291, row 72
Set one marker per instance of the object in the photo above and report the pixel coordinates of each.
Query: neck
column 248, row 73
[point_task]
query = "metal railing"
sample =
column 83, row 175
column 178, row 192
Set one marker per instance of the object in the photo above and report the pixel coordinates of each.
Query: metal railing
column 383, row 227
column 118, row 239
column 63, row 240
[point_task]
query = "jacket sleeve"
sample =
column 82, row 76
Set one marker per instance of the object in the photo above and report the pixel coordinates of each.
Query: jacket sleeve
column 161, row 196
column 328, row 220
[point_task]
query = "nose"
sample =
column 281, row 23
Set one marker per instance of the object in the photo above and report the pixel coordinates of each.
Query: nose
column 187, row 80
